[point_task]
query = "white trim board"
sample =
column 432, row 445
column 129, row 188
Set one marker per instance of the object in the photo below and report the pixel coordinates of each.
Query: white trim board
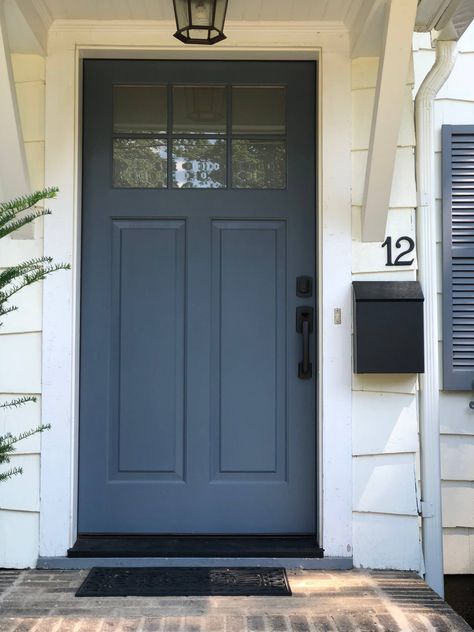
column 62, row 241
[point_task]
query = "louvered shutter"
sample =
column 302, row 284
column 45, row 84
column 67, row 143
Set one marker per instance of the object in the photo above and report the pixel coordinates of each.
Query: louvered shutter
column 458, row 257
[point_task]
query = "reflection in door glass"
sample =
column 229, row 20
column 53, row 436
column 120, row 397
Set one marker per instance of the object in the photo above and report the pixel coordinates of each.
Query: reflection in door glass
column 199, row 163
column 258, row 110
column 140, row 162
column 199, row 110
column 258, row 164
column 140, row 109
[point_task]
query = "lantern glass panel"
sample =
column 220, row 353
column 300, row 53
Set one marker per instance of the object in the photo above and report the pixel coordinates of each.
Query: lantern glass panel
column 221, row 7
column 199, row 109
column 201, row 12
column 182, row 13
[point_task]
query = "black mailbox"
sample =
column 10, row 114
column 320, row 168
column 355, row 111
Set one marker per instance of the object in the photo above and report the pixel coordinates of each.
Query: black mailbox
column 388, row 327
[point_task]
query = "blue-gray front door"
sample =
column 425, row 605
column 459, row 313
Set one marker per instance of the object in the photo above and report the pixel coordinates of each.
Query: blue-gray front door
column 197, row 405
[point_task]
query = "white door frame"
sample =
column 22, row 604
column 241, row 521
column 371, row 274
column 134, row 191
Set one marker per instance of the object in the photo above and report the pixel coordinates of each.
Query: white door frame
column 70, row 42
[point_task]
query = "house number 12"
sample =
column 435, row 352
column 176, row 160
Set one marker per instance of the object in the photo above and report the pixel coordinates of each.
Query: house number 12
column 399, row 261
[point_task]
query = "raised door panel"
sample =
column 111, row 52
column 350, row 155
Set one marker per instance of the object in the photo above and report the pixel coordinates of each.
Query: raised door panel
column 248, row 374
column 147, row 363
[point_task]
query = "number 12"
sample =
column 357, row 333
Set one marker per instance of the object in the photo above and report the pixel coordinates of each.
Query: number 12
column 398, row 244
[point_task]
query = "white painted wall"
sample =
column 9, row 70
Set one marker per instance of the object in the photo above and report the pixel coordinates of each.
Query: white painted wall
column 385, row 439
column 454, row 105
column 20, row 340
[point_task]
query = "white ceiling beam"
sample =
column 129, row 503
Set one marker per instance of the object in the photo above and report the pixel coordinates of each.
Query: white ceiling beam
column 389, row 97
column 14, row 179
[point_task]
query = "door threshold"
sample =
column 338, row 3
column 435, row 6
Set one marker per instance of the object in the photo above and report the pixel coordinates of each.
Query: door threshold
column 196, row 546
column 293, row 563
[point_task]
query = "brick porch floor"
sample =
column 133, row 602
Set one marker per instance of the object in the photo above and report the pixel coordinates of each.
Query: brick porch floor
column 337, row 601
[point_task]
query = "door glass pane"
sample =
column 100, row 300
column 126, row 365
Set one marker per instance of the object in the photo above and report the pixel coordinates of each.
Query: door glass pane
column 140, row 162
column 258, row 110
column 199, row 109
column 258, row 164
column 199, row 163
column 140, row 109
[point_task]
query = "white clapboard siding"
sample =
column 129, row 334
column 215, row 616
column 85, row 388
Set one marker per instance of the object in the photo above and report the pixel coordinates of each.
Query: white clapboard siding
column 19, row 535
column 458, row 503
column 20, row 341
column 403, row 188
column 393, row 383
column 458, row 551
column 370, row 256
column 384, row 409
column 30, row 95
column 458, row 87
column 362, row 109
column 386, row 541
column 21, row 492
column 35, row 161
column 385, row 483
column 28, row 68
column 15, row 250
column 456, row 417
column 18, row 420
column 28, row 317
column 364, row 73
column 20, row 369
column 384, row 423
column 457, row 457
column 450, row 112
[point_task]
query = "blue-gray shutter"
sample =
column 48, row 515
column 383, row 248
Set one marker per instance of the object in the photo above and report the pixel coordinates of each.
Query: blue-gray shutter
column 458, row 257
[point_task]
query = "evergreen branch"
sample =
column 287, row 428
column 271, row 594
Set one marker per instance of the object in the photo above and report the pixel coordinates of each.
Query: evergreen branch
column 25, row 202
column 10, row 274
column 35, row 275
column 13, row 471
column 11, row 225
column 7, row 442
column 19, row 401
column 7, row 310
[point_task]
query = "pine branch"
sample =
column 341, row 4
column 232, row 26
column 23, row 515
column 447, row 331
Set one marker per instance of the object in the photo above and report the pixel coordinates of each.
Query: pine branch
column 7, row 310
column 8, row 226
column 9, row 275
column 25, row 202
column 7, row 442
column 13, row 471
column 37, row 273
column 19, row 401
column 14, row 215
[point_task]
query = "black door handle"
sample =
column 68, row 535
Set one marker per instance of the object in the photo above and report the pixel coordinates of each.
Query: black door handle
column 304, row 325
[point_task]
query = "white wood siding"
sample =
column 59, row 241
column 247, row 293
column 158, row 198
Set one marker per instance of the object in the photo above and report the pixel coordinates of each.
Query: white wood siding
column 385, row 440
column 20, row 341
column 454, row 105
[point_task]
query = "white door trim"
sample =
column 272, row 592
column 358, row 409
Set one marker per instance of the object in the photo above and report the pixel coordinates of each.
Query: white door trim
column 69, row 42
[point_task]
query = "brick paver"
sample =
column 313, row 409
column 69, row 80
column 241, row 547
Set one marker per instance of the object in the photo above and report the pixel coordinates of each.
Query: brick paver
column 322, row 601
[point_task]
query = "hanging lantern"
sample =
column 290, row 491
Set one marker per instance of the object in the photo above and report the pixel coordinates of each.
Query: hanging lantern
column 200, row 21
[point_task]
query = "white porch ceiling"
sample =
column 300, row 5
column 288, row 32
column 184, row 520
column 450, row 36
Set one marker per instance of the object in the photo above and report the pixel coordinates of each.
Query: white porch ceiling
column 324, row 10
column 29, row 21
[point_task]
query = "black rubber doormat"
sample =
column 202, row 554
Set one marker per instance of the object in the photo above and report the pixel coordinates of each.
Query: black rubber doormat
column 185, row 582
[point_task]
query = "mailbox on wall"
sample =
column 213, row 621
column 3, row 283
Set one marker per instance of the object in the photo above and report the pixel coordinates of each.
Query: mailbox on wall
column 388, row 327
